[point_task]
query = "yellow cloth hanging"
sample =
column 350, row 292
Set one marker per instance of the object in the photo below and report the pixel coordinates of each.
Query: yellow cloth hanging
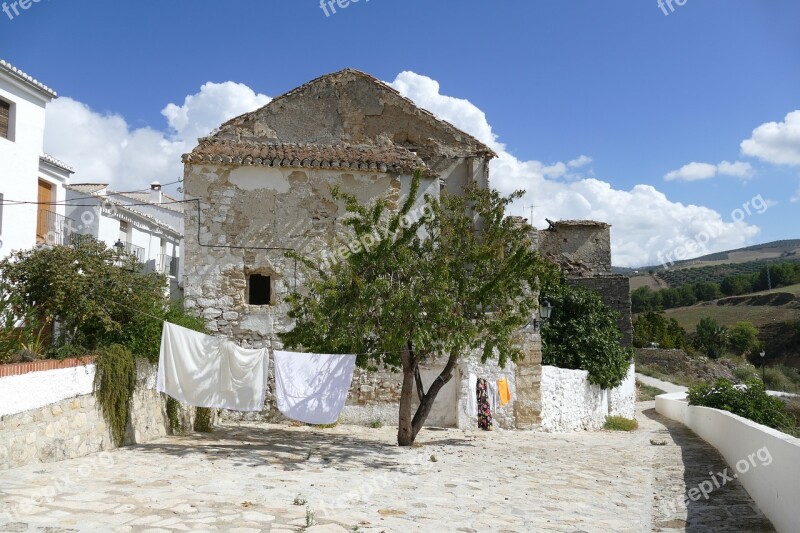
column 503, row 391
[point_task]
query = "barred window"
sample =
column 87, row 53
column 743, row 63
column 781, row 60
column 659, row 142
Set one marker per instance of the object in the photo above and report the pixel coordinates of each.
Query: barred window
column 5, row 111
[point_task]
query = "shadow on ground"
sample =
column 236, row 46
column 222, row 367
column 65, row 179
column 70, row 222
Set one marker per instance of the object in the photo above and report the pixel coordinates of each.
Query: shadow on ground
column 290, row 449
column 728, row 508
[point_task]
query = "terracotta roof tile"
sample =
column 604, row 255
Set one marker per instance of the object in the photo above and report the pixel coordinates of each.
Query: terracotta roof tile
column 392, row 159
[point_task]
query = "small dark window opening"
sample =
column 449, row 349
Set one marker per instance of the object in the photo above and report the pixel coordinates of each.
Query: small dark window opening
column 5, row 112
column 259, row 289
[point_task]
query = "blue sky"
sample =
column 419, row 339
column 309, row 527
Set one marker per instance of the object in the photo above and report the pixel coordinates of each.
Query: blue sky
column 640, row 93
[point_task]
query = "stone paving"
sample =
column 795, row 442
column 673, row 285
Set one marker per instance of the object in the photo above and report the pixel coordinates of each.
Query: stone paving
column 248, row 478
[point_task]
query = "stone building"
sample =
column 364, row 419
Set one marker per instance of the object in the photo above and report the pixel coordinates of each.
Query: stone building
column 583, row 250
column 262, row 187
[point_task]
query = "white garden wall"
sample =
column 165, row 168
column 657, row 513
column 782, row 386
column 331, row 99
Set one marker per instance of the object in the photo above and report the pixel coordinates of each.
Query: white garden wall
column 773, row 485
column 52, row 415
column 39, row 389
column 571, row 403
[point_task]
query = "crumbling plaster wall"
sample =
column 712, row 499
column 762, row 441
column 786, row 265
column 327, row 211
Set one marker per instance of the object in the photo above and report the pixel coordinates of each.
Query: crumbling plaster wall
column 587, row 245
column 247, row 208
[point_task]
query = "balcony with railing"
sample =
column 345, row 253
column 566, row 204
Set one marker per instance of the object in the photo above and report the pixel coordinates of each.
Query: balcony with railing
column 167, row 265
column 53, row 229
column 130, row 249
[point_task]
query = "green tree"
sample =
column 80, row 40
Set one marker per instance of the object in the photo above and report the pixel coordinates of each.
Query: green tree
column 687, row 295
column 645, row 299
column 88, row 290
column 655, row 327
column 410, row 298
column 711, row 337
column 582, row 334
column 743, row 338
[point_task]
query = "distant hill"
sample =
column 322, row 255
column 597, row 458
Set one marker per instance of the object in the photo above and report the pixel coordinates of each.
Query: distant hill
column 713, row 267
column 770, row 251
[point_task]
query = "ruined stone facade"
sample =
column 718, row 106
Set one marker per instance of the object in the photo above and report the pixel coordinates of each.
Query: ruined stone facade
column 262, row 188
column 582, row 248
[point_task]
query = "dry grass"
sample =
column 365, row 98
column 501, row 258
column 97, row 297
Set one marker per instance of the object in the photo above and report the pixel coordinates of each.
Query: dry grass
column 620, row 423
column 728, row 315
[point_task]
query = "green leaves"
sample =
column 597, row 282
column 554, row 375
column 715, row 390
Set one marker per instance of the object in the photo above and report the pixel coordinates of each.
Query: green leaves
column 97, row 297
column 582, row 334
column 448, row 275
column 749, row 401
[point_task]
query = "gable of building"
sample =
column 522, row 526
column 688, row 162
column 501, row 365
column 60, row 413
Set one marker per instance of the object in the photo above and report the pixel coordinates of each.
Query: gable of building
column 352, row 108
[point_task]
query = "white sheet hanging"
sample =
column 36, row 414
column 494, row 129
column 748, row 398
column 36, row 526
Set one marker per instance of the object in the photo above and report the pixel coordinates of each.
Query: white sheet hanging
column 312, row 388
column 472, row 396
column 206, row 371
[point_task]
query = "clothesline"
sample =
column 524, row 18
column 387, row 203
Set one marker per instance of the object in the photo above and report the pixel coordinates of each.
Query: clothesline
column 162, row 320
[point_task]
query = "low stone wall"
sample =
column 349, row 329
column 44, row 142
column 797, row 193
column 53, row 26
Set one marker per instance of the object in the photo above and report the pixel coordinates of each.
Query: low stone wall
column 571, row 403
column 71, row 427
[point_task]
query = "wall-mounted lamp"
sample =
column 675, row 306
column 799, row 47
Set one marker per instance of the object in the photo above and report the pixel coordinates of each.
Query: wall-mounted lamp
column 545, row 311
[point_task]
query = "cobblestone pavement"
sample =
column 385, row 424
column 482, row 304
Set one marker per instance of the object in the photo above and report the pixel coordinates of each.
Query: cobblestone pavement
column 279, row 478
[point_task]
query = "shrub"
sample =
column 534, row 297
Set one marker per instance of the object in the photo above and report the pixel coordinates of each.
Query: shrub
column 620, row 423
column 114, row 383
column 203, row 420
column 143, row 333
column 749, row 401
column 582, row 334
column 744, row 373
column 776, row 379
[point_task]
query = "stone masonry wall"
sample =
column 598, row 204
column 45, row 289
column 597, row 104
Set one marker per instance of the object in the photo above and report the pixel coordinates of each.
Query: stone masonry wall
column 616, row 293
column 75, row 427
column 243, row 211
column 586, row 244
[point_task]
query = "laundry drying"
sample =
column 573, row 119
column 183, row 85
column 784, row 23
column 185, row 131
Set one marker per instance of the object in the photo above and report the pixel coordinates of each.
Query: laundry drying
column 206, row 371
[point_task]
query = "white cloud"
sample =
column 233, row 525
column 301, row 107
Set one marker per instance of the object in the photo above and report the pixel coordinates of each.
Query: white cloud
column 776, row 142
column 104, row 148
column 646, row 224
column 704, row 171
column 739, row 169
column 581, row 161
column 796, row 198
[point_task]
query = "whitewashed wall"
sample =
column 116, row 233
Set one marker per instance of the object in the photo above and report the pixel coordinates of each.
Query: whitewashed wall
column 622, row 399
column 571, row 403
column 775, row 487
column 19, row 163
column 39, row 389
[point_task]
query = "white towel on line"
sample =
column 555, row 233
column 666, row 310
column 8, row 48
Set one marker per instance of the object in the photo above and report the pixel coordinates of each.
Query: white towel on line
column 206, row 371
column 472, row 396
column 312, row 388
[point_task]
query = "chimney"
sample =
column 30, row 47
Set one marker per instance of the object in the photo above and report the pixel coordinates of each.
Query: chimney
column 155, row 192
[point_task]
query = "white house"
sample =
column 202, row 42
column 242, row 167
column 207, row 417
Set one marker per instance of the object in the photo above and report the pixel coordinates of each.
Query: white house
column 147, row 224
column 27, row 174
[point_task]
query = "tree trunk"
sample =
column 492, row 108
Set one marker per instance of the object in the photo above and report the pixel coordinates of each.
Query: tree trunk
column 410, row 428
column 405, row 433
